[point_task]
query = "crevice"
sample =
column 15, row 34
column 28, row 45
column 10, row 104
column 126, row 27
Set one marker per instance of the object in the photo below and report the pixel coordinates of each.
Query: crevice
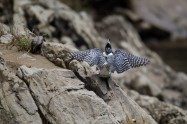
column 68, row 90
column 42, row 116
column 32, row 21
column 74, row 89
column 79, row 77
column 6, row 11
column 64, row 28
column 7, row 114
column 22, row 106
column 92, row 85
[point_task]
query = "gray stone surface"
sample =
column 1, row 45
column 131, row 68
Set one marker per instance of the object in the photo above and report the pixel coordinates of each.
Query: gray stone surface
column 62, row 98
column 16, row 100
column 8, row 38
column 162, row 112
column 166, row 15
column 74, row 93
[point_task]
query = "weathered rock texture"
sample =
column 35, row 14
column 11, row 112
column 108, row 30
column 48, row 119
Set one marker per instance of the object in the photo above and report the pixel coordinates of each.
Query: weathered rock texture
column 151, row 79
column 164, row 14
column 58, row 96
column 163, row 113
column 16, row 100
column 72, row 92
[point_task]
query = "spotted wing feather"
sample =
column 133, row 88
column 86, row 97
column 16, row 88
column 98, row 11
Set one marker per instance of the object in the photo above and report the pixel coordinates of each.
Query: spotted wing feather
column 124, row 61
column 92, row 56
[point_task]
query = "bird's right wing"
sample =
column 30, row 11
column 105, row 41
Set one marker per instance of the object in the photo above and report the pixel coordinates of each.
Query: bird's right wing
column 124, row 61
column 92, row 56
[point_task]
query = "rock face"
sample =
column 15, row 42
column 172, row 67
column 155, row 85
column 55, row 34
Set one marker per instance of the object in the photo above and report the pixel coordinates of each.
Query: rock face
column 47, row 94
column 59, row 24
column 151, row 79
column 16, row 99
column 58, row 96
column 164, row 14
column 52, row 89
column 163, row 113
column 72, row 92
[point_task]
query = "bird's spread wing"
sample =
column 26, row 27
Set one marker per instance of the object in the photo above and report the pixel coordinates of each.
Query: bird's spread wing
column 92, row 56
column 124, row 61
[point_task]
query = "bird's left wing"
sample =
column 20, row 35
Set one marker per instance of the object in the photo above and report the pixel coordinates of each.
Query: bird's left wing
column 124, row 61
column 92, row 56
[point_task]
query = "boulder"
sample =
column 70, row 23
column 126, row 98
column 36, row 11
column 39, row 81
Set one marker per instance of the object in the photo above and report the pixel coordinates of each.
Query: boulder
column 155, row 77
column 164, row 14
column 162, row 112
column 6, row 39
column 15, row 99
column 36, row 95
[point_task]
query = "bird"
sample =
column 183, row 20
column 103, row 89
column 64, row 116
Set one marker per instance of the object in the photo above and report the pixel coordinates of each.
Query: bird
column 108, row 62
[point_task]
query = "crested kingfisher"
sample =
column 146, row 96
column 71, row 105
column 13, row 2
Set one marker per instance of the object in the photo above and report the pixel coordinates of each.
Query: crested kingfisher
column 108, row 62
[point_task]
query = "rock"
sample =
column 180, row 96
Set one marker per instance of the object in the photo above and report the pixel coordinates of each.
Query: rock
column 4, row 29
column 67, row 40
column 20, row 4
column 163, row 14
column 60, row 85
column 43, row 15
column 147, row 31
column 6, row 39
column 144, row 85
column 15, row 99
column 37, row 43
column 161, row 76
column 74, row 93
column 64, row 22
column 178, row 84
column 97, row 85
column 6, row 8
column 84, row 32
column 56, row 53
column 18, row 30
column 54, row 4
column 162, row 112
column 84, row 106
column 133, row 112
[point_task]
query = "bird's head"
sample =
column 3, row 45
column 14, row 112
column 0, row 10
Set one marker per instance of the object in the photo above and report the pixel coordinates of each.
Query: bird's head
column 108, row 48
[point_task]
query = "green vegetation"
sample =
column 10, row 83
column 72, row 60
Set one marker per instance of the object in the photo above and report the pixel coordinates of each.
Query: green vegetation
column 23, row 43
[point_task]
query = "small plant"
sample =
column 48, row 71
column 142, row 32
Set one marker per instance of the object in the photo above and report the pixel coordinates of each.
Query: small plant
column 23, row 43
column 26, row 41
column 21, row 40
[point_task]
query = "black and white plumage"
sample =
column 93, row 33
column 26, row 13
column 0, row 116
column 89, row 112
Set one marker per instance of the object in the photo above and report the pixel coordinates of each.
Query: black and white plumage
column 108, row 62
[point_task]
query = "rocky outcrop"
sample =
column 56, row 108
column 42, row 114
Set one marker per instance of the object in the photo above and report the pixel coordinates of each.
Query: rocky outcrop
column 64, row 23
column 57, row 96
column 79, row 95
column 160, row 111
column 72, row 92
column 149, row 80
column 166, row 15
column 16, row 100
column 163, row 113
